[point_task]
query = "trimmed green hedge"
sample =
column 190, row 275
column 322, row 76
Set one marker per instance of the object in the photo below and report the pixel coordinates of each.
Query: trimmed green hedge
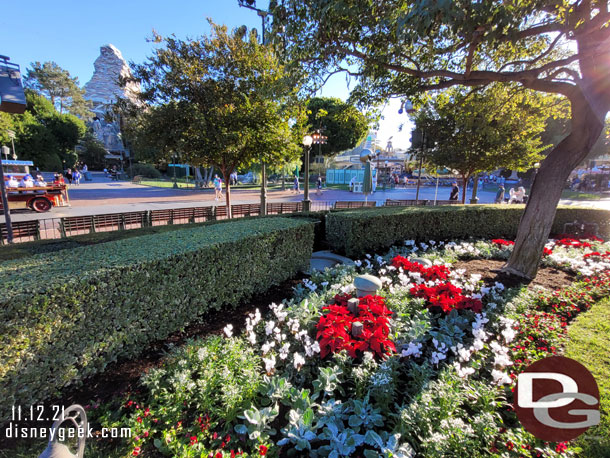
column 356, row 232
column 66, row 315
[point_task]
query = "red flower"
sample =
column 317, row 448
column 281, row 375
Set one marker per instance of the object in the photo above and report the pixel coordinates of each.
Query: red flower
column 335, row 328
column 502, row 243
column 561, row 447
column 193, row 440
column 262, row 450
column 136, row 451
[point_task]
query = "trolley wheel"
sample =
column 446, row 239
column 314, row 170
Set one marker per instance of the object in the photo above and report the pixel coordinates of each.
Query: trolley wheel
column 41, row 204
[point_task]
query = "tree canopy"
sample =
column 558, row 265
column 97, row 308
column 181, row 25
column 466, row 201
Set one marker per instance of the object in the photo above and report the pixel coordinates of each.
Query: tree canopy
column 407, row 47
column 478, row 131
column 226, row 97
column 341, row 122
column 55, row 83
column 43, row 135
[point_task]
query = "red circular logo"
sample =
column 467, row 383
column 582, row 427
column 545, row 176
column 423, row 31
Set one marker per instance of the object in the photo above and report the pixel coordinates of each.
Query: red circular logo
column 557, row 399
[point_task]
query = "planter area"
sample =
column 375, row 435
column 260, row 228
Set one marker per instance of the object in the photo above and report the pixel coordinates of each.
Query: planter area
column 425, row 367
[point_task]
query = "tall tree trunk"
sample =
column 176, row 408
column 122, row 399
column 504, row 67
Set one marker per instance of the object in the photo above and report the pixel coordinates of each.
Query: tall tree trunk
column 226, row 177
column 465, row 179
column 537, row 220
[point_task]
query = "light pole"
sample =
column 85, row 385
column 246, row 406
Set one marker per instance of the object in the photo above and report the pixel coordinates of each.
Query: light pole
column 174, row 167
column 307, row 141
column 7, row 214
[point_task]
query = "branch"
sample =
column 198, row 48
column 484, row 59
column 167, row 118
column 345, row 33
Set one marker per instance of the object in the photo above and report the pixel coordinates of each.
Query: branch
column 537, row 59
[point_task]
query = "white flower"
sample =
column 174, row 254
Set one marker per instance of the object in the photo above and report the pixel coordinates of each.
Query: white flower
column 267, row 346
column 508, row 334
column 269, row 364
column 269, row 327
column 284, row 351
column 299, row 361
column 358, row 263
column 502, row 360
column 413, row 349
column 202, row 353
column 500, row 378
column 437, row 357
column 251, row 338
column 278, row 311
column 228, row 330
column 293, row 325
column 499, row 286
column 463, row 372
column 478, row 344
column 324, row 284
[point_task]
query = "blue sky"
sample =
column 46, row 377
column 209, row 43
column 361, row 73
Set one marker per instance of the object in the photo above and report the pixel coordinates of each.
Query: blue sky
column 71, row 33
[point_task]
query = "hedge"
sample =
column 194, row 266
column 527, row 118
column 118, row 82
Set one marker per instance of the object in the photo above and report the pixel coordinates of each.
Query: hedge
column 356, row 232
column 66, row 315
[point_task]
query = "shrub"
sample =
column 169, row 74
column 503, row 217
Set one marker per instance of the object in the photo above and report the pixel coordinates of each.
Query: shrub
column 67, row 315
column 356, row 232
column 145, row 170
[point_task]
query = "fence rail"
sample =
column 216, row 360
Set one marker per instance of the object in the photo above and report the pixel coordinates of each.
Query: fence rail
column 69, row 226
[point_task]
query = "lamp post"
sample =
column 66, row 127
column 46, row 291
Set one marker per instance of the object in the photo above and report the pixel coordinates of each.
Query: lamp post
column 174, row 167
column 7, row 214
column 307, row 141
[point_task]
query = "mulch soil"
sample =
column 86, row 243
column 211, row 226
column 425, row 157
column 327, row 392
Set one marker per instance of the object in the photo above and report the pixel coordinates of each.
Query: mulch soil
column 489, row 269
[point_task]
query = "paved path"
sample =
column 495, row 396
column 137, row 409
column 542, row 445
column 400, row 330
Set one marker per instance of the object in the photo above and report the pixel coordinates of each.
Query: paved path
column 106, row 196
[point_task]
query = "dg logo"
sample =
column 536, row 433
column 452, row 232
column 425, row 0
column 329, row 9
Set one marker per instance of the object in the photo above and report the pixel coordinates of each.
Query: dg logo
column 557, row 399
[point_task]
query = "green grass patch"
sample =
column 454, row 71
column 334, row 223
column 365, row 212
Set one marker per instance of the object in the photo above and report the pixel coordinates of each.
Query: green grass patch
column 575, row 195
column 589, row 340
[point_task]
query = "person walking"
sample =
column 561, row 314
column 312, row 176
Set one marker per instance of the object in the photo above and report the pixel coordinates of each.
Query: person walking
column 455, row 192
column 76, row 176
column 217, row 187
column 69, row 176
column 319, row 185
column 500, row 195
column 295, row 185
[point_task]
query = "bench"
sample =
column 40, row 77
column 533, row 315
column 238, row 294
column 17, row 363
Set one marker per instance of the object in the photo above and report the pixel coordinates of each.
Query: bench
column 74, row 225
column 22, row 230
column 245, row 210
column 111, row 222
column 201, row 214
column 220, row 212
column 581, row 228
column 404, row 202
column 278, row 208
column 135, row 220
column 160, row 217
column 357, row 187
column 183, row 214
column 354, row 204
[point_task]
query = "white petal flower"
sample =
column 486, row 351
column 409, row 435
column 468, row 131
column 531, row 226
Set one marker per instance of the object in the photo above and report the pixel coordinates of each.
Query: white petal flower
column 299, row 361
column 228, row 330
column 269, row 327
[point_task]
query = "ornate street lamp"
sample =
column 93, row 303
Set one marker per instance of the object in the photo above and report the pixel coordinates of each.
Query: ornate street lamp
column 307, row 142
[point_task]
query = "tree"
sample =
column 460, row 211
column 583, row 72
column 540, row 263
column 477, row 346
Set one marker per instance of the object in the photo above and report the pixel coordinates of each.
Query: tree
column 483, row 130
column 91, row 152
column 59, row 87
column 341, row 122
column 406, row 47
column 227, row 99
column 45, row 136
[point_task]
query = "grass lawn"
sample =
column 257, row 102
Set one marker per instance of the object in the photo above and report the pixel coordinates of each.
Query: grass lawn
column 589, row 340
column 575, row 195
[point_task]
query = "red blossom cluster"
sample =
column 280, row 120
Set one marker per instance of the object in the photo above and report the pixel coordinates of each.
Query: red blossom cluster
column 572, row 243
column 502, row 242
column 433, row 273
column 335, row 327
column 598, row 256
column 505, row 243
column 446, row 296
column 586, row 236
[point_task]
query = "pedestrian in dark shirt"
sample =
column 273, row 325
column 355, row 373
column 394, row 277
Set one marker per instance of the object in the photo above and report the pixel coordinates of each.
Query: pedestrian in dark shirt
column 455, row 192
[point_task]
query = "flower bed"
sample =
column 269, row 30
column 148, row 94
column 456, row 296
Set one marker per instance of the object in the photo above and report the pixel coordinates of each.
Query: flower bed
column 424, row 368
